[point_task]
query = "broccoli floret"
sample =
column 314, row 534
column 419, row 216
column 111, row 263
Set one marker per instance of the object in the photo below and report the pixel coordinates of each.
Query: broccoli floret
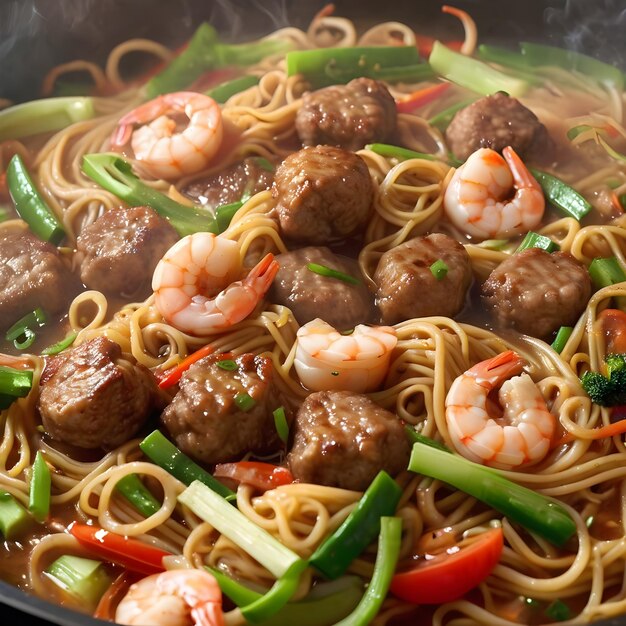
column 607, row 390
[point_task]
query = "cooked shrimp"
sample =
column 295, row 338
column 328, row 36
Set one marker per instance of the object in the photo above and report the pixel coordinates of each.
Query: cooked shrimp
column 189, row 597
column 159, row 143
column 522, row 435
column 474, row 200
column 194, row 289
column 325, row 359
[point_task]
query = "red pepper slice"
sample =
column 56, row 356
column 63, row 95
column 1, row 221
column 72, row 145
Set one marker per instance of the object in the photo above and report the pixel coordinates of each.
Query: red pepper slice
column 172, row 376
column 132, row 554
column 449, row 575
column 420, row 97
column 263, row 476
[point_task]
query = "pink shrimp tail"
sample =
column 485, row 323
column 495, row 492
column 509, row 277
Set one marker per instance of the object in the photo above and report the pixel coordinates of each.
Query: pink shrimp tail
column 497, row 369
column 263, row 273
column 209, row 614
column 521, row 175
column 121, row 136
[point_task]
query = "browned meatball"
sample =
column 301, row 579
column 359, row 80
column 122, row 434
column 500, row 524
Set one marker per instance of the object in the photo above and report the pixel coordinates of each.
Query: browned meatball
column 536, row 292
column 323, row 194
column 407, row 288
column 205, row 420
column 32, row 274
column 92, row 396
column 343, row 439
column 495, row 122
column 348, row 116
column 121, row 249
column 249, row 176
column 310, row 295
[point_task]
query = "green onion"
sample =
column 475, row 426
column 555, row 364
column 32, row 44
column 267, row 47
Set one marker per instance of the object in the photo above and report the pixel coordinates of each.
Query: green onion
column 85, row 579
column 14, row 384
column 21, row 333
column 442, row 120
column 223, row 92
column 606, row 272
column 166, row 455
column 558, row 611
column 331, row 66
column 415, row 437
column 280, row 422
column 224, row 214
column 131, row 487
column 230, row 522
column 493, row 244
column 227, row 364
column 561, row 339
column 535, row 512
column 333, row 557
column 572, row 133
column 65, row 343
column 115, row 175
column 322, row 270
column 43, row 116
column 244, row 401
column 396, row 152
column 40, row 481
column 439, row 269
column 535, row 240
column 503, row 56
column 14, row 518
column 384, row 569
column 561, row 195
column 472, row 73
column 30, row 205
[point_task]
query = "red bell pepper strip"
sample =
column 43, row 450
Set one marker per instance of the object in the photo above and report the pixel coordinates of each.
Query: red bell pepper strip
column 132, row 554
column 420, row 97
column 172, row 376
column 263, row 476
column 449, row 575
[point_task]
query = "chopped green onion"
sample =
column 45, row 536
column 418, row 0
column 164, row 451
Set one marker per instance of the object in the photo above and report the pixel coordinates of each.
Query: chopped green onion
column 535, row 240
column 230, row 522
column 572, row 133
column 493, row 244
column 561, row 339
column 42, row 116
column 416, row 437
column 535, row 512
column 503, row 56
column 332, row 66
column 472, row 73
column 612, row 152
column 606, row 272
column 227, row 364
column 265, row 164
column 14, row 384
column 244, row 401
column 14, row 518
column 387, row 150
column 223, row 92
column 561, row 195
column 439, row 269
column 558, row 611
column 442, row 120
column 166, row 455
column 40, row 481
column 384, row 569
column 322, row 270
column 333, row 557
column 224, row 214
column 21, row 333
column 30, row 205
column 65, row 343
column 280, row 422
column 131, row 487
column 85, row 579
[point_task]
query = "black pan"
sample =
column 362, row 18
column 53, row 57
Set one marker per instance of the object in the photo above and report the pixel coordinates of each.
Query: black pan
column 35, row 35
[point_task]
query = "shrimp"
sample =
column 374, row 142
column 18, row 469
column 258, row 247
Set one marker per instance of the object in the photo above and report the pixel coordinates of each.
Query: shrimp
column 325, row 359
column 165, row 150
column 522, row 435
column 194, row 289
column 474, row 200
column 173, row 598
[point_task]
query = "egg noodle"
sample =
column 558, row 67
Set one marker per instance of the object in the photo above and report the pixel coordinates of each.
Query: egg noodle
column 586, row 476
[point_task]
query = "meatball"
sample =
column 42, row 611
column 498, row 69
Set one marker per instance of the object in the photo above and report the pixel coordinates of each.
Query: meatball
column 92, row 396
column 323, row 193
column 495, row 122
column 247, row 177
column 407, row 287
column 310, row 295
column 32, row 274
column 343, row 439
column 347, row 116
column 205, row 419
column 536, row 292
column 121, row 249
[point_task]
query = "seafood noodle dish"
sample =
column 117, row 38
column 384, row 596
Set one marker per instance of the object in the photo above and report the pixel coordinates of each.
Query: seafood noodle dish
column 328, row 327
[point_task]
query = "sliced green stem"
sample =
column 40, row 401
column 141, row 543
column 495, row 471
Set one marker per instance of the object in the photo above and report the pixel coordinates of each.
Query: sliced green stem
column 15, row 383
column 85, row 579
column 397, row 152
column 442, row 120
column 65, row 343
column 561, row 195
column 535, row 240
column 605, row 272
column 22, row 333
column 329, row 272
column 131, row 487
column 40, row 483
column 561, row 339
column 14, row 518
column 439, row 269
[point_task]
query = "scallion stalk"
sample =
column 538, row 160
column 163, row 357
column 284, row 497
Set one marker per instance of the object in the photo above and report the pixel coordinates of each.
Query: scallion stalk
column 329, row 272
column 14, row 518
column 535, row 240
column 396, row 152
column 85, row 579
column 280, row 422
column 65, row 343
column 221, row 93
column 224, row 214
column 442, row 120
column 561, row 195
column 605, row 272
column 22, row 333
column 131, row 487
column 561, row 339
column 40, row 482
